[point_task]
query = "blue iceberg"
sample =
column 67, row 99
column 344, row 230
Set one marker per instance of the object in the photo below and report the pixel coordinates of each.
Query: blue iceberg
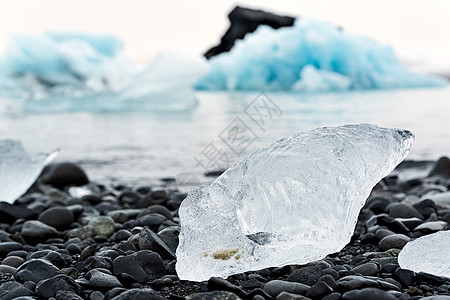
column 60, row 72
column 57, row 58
column 311, row 56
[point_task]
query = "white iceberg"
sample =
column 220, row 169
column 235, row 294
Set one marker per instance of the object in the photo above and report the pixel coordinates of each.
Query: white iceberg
column 427, row 254
column 18, row 169
column 291, row 202
column 276, row 59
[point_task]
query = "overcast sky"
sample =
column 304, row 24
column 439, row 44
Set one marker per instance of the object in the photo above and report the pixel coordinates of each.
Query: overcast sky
column 418, row 27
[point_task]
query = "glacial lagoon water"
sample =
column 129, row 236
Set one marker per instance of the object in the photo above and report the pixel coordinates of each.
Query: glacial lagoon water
column 140, row 147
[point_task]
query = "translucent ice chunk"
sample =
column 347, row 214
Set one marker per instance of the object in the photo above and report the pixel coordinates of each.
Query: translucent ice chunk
column 427, row 254
column 291, row 202
column 18, row 169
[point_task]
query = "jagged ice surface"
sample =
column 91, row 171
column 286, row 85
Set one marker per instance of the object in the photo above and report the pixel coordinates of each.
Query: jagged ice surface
column 427, row 254
column 311, row 56
column 18, row 169
column 291, row 202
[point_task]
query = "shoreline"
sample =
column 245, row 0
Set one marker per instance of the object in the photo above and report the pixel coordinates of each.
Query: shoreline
column 98, row 246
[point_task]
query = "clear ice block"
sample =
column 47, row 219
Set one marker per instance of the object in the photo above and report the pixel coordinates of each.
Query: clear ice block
column 291, row 202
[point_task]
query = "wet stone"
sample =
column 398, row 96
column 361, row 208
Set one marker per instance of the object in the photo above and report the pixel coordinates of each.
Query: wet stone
column 13, row 261
column 7, row 247
column 98, row 279
column 307, row 275
column 11, row 290
column 148, row 240
column 103, row 225
column 275, row 287
column 368, row 294
column 319, row 290
column 397, row 241
column 138, row 294
column 216, row 295
column 143, row 265
column 37, row 231
column 49, row 287
column 57, row 217
column 36, row 270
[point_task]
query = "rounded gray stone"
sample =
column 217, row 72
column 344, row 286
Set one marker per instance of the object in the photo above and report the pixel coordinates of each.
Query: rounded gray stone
column 275, row 287
column 103, row 225
column 397, row 241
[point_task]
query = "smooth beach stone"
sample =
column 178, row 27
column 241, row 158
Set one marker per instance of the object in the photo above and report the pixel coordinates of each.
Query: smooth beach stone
column 402, row 210
column 217, row 283
column 7, row 269
column 330, row 279
column 353, row 282
column 66, row 295
column 427, row 254
column 155, row 197
column 158, row 209
column 143, row 265
column 405, row 277
column 397, row 241
column 368, row 294
column 98, row 279
column 215, row 295
column 332, row 296
column 36, row 270
column 65, row 174
column 367, row 269
column 10, row 213
column 291, row 202
column 430, row 227
column 275, row 287
column 319, row 290
column 441, row 199
column 307, row 275
column 138, row 294
column 96, row 295
column 382, row 233
column 103, row 225
column 13, row 261
column 49, row 287
column 83, row 233
column 290, row 296
column 441, row 168
column 425, row 207
column 7, row 247
column 11, row 290
column 58, row 217
column 151, row 220
column 60, row 260
column 36, row 230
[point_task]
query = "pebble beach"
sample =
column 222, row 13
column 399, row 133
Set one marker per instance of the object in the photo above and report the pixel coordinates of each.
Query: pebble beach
column 118, row 242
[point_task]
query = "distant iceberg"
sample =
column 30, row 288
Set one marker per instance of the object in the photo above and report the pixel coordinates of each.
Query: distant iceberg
column 311, row 56
column 58, row 72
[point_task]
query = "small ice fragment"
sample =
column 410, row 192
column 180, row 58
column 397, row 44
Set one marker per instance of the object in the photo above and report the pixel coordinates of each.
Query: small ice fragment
column 18, row 169
column 291, row 202
column 427, row 254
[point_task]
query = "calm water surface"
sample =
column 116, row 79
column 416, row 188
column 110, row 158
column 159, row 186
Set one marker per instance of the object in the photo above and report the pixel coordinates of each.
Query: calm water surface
column 142, row 147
